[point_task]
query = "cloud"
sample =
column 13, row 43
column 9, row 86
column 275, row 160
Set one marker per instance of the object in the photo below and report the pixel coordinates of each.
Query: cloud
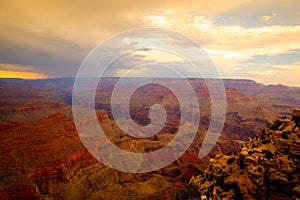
column 54, row 37
column 19, row 71
column 16, row 67
column 291, row 57
column 263, row 46
column 272, row 74
column 88, row 23
column 268, row 17
column 250, row 14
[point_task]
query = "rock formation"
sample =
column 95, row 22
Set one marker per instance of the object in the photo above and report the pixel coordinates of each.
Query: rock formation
column 268, row 167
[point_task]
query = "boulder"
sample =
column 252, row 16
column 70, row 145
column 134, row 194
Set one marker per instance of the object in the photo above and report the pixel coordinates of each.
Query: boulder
column 296, row 112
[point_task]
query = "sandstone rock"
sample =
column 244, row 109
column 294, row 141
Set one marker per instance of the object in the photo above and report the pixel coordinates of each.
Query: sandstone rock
column 203, row 197
column 244, row 153
column 278, row 133
column 288, row 129
column 218, row 156
column 297, row 189
column 296, row 112
column 268, row 168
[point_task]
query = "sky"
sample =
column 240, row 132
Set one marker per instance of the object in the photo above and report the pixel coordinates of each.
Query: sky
column 246, row 39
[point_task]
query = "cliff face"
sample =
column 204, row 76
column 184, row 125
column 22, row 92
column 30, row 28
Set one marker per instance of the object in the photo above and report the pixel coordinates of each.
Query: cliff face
column 268, row 166
column 38, row 157
column 24, row 102
column 45, row 159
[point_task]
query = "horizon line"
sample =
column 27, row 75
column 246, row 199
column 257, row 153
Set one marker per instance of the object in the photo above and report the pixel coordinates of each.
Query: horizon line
column 114, row 77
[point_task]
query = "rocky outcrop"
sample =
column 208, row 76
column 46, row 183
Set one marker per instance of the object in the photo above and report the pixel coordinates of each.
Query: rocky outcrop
column 296, row 112
column 268, row 166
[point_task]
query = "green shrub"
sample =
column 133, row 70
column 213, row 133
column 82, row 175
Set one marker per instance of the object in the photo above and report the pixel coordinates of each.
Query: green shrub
column 286, row 151
column 230, row 160
column 237, row 191
column 241, row 162
column 284, row 135
column 297, row 120
column 191, row 191
column 275, row 125
column 268, row 154
column 220, row 180
column 265, row 141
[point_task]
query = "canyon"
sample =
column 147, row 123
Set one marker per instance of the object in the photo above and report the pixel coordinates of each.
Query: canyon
column 42, row 156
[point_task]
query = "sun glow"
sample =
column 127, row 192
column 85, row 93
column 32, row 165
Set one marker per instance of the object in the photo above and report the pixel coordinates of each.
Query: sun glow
column 24, row 75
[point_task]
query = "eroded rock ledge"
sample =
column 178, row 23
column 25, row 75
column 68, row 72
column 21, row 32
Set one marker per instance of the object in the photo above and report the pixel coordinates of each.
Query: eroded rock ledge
column 268, row 167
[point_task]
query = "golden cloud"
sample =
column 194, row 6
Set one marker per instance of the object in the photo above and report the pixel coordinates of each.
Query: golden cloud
column 84, row 24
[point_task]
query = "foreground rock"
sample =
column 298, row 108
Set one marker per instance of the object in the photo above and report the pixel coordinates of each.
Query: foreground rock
column 268, row 167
